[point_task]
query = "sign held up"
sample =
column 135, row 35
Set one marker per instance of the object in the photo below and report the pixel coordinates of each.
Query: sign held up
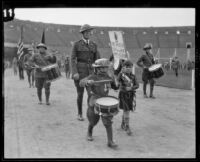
column 117, row 44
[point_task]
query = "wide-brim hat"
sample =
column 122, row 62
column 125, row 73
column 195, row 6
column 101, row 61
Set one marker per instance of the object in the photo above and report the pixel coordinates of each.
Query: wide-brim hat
column 147, row 46
column 85, row 27
column 41, row 45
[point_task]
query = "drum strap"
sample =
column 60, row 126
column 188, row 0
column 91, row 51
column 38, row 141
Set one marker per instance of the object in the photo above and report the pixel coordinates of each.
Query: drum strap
column 43, row 60
column 150, row 60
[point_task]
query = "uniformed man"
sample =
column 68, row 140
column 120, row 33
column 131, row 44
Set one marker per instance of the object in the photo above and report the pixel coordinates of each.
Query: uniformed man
column 145, row 61
column 84, row 53
column 175, row 65
column 29, row 67
column 40, row 60
column 67, row 67
column 14, row 65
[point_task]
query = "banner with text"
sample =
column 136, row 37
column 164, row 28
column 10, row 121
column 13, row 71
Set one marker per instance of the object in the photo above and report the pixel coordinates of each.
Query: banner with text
column 117, row 44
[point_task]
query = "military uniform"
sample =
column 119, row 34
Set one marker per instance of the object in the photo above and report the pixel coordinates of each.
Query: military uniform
column 14, row 65
column 42, row 60
column 96, row 91
column 67, row 67
column 175, row 65
column 29, row 68
column 147, row 60
column 82, row 57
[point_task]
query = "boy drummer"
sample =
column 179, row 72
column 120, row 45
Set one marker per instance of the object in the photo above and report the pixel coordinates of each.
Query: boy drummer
column 96, row 91
column 128, row 84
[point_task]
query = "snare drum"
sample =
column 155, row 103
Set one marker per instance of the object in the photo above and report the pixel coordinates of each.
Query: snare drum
column 52, row 71
column 108, row 105
column 156, row 70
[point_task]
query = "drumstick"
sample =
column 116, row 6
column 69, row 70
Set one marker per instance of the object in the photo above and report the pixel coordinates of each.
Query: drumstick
column 102, row 81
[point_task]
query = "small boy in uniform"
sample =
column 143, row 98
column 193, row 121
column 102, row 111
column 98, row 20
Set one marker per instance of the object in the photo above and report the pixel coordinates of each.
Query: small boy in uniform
column 127, row 87
column 98, row 90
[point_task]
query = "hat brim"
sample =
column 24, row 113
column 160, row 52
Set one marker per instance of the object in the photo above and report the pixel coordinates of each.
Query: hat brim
column 81, row 31
column 146, row 48
column 93, row 65
column 41, row 46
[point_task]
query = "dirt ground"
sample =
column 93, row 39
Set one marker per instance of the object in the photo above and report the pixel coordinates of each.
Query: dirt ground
column 162, row 128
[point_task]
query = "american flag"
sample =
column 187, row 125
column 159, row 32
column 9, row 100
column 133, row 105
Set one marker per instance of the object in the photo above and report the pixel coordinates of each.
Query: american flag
column 20, row 46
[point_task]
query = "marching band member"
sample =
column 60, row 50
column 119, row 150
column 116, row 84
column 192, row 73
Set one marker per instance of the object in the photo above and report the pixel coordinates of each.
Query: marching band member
column 128, row 85
column 145, row 61
column 84, row 53
column 40, row 60
column 96, row 91
column 28, row 65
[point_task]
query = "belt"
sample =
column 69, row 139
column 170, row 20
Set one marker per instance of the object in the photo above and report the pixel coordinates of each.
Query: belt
column 84, row 61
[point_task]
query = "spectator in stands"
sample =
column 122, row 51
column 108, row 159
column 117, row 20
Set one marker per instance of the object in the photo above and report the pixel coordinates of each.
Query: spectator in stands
column 84, row 53
column 145, row 61
column 67, row 67
column 29, row 67
column 175, row 65
column 14, row 65
column 40, row 60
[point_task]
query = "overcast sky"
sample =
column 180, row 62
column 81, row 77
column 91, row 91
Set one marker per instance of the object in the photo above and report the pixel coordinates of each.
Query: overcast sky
column 116, row 17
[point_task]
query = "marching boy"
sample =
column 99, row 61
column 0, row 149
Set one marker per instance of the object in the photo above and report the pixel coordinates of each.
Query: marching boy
column 96, row 91
column 127, row 89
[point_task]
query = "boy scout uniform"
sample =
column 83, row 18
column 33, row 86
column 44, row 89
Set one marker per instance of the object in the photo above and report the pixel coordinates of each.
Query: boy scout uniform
column 147, row 60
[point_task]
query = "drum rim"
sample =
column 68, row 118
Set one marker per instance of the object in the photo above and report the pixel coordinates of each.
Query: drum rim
column 53, row 65
column 160, row 66
column 111, row 106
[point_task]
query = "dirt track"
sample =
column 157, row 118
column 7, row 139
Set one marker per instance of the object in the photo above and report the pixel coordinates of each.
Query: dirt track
column 162, row 128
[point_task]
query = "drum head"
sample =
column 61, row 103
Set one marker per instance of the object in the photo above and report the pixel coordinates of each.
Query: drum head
column 46, row 68
column 155, row 67
column 107, row 101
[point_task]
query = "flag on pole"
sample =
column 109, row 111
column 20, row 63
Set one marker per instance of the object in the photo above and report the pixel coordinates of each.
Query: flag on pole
column 43, row 37
column 20, row 46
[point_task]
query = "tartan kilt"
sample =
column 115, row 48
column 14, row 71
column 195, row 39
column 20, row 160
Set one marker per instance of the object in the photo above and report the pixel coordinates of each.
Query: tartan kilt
column 127, row 100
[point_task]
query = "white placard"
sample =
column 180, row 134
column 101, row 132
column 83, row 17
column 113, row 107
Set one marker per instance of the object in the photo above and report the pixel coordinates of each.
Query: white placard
column 117, row 44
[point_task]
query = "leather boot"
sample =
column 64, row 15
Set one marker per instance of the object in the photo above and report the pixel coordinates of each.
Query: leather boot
column 110, row 144
column 47, row 94
column 89, row 133
column 151, row 92
column 39, row 93
column 123, row 123
column 127, row 128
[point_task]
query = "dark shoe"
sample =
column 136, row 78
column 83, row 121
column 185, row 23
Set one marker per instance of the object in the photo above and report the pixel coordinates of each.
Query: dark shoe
column 112, row 145
column 152, row 97
column 80, row 118
column 145, row 96
column 47, row 103
column 90, row 138
column 40, row 102
column 123, row 125
column 128, row 131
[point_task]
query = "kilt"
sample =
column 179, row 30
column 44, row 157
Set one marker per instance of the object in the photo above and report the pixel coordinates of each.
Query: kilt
column 127, row 100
